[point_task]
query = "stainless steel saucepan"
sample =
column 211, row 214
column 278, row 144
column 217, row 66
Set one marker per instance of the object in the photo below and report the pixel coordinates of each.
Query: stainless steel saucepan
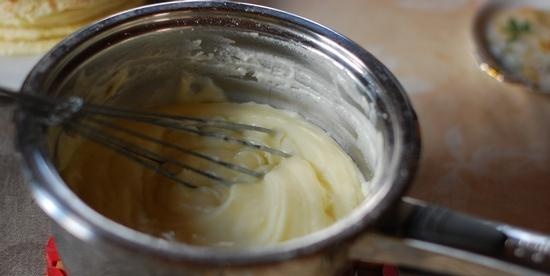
column 267, row 56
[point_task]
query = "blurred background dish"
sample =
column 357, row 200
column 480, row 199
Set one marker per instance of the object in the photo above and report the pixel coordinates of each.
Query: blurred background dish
column 513, row 42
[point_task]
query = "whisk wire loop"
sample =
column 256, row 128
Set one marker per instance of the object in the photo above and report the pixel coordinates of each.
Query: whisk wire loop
column 89, row 121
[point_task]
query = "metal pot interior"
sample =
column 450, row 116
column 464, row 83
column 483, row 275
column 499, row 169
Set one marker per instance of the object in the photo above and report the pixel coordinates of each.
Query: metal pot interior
column 253, row 54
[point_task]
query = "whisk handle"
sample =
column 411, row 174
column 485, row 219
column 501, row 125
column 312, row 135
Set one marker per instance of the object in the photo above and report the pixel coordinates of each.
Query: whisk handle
column 51, row 110
column 7, row 96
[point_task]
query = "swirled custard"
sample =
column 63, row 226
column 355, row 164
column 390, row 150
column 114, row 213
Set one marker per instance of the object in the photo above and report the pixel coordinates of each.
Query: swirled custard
column 307, row 191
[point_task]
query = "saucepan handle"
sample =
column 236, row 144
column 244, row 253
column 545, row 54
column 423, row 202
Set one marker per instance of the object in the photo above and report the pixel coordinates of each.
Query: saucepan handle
column 441, row 240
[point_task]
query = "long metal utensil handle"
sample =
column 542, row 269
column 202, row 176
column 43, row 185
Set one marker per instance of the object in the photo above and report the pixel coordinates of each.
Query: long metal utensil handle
column 50, row 110
column 33, row 102
column 7, row 97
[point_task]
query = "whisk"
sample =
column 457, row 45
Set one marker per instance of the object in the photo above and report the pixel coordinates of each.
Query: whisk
column 90, row 121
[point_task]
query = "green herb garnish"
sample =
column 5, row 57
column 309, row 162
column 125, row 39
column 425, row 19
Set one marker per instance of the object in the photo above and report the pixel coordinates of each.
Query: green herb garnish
column 515, row 29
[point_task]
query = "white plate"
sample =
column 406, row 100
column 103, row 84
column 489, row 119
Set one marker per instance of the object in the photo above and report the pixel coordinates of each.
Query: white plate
column 13, row 70
column 486, row 61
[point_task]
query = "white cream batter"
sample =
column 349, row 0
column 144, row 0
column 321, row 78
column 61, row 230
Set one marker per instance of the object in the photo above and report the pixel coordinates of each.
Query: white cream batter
column 298, row 195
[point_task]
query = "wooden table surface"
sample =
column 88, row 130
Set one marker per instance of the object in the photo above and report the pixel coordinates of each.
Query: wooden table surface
column 486, row 145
